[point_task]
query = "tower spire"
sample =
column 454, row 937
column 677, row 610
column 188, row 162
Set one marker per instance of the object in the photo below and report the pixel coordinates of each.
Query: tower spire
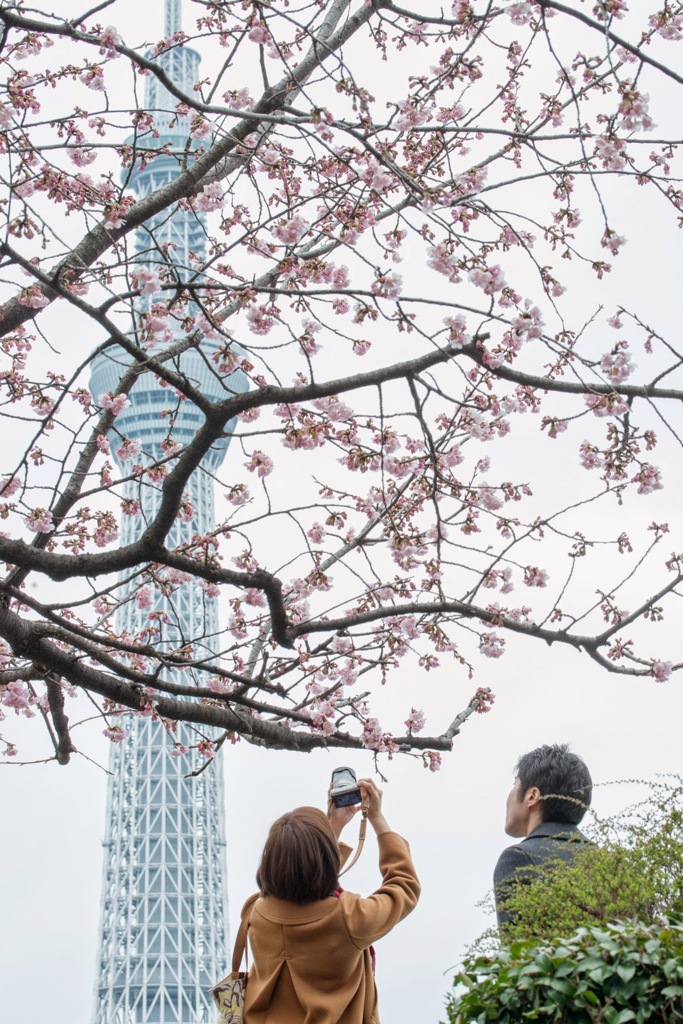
column 181, row 64
column 171, row 17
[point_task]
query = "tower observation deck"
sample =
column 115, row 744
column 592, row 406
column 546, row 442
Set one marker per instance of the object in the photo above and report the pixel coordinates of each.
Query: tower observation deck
column 163, row 931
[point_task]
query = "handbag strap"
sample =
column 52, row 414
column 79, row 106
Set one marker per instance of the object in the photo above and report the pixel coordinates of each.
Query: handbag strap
column 361, row 837
column 241, row 941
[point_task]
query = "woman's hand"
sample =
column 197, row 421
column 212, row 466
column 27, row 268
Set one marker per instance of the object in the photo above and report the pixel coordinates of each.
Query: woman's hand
column 372, row 798
column 339, row 817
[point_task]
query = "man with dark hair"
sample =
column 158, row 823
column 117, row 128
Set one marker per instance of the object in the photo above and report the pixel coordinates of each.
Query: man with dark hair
column 550, row 796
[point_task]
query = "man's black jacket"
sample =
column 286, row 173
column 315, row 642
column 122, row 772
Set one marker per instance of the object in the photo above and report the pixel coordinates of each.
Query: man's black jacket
column 550, row 841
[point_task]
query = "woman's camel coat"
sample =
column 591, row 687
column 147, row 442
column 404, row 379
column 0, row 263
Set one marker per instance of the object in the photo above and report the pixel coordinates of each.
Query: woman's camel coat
column 312, row 961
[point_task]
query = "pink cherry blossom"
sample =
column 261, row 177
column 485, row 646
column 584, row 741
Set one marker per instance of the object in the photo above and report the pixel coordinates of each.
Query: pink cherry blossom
column 115, row 733
column 372, row 734
column 520, row 13
column 209, row 330
column 220, row 685
column 18, row 697
column 376, row 176
column 200, row 128
column 211, row 197
column 157, row 474
column 156, row 326
column 668, row 24
column 432, row 760
column 634, row 109
column 289, row 232
column 444, row 262
column 612, row 241
column 40, row 521
column 606, row 405
column 461, row 10
column 316, row 533
column 116, row 213
column 610, row 151
column 388, row 286
column 110, row 38
column 617, row 365
column 82, row 157
column 529, row 322
column 131, row 507
column 661, row 670
column 128, row 450
column 259, row 34
column 333, row 407
column 486, row 700
column 415, row 721
column 93, row 77
column 170, row 447
column 491, row 645
column 605, row 10
column 535, row 577
column 240, row 99
column 260, row 319
column 488, row 499
column 322, row 717
column 144, row 597
column 186, row 512
column 260, row 463
column 238, row 494
column 107, row 530
column 9, row 486
column 114, row 403
column 34, row 298
column 648, row 478
column 211, row 590
column 412, row 115
column 490, row 280
column 144, row 280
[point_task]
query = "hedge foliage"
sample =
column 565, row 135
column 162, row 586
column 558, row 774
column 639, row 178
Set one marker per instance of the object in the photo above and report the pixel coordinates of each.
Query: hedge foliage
column 622, row 972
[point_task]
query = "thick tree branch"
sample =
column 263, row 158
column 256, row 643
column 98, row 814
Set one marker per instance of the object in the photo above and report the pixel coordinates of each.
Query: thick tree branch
column 257, row 731
column 55, row 697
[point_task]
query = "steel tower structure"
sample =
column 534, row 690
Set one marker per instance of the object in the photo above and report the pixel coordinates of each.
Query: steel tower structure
column 163, row 932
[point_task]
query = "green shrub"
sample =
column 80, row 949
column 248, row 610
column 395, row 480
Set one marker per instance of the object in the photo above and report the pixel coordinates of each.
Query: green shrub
column 615, row 974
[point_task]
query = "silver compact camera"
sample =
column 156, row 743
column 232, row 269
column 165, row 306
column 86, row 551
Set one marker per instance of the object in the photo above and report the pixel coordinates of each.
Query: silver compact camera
column 344, row 791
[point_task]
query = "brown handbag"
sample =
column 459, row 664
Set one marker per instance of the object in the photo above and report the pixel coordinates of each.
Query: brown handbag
column 228, row 994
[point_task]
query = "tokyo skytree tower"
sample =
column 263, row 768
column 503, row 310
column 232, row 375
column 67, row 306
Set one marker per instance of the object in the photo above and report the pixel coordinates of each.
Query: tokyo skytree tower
column 164, row 900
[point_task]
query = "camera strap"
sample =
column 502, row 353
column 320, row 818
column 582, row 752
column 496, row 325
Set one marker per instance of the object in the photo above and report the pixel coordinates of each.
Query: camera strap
column 361, row 837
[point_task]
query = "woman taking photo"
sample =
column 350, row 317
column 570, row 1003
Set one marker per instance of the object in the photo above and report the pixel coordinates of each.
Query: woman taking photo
column 311, row 941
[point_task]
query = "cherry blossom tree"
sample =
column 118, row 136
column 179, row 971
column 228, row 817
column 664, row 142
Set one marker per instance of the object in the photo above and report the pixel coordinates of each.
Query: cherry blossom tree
column 409, row 215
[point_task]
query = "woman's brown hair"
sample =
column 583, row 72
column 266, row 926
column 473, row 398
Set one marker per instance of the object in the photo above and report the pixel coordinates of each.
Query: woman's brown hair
column 300, row 860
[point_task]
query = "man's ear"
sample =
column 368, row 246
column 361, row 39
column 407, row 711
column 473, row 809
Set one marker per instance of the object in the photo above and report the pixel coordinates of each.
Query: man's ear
column 532, row 797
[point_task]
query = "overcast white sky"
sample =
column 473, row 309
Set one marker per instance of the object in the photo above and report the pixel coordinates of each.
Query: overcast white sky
column 51, row 853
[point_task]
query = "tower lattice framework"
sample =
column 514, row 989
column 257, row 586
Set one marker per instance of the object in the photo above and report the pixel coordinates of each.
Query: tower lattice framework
column 163, row 932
